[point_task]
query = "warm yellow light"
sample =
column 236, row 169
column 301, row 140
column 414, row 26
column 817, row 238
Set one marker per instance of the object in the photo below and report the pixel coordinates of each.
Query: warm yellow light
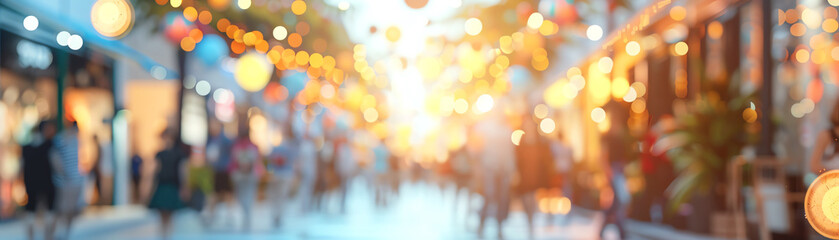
column 570, row 91
column 604, row 126
column 188, row 44
column 465, row 76
column 819, row 57
column 547, row 125
column 540, row 111
column 371, row 115
column 253, row 71
column 249, row 38
column 811, row 18
column 829, row 203
column 630, row 96
column 484, row 103
column 678, row 13
column 598, row 115
column 605, row 64
column 316, row 60
column 393, row 34
column 280, row 33
column 638, row 106
column 343, row 5
column 219, row 5
column 579, row 82
column 564, row 205
column 749, row 115
column 302, row 58
column 295, row 40
column 680, row 48
column 633, row 48
column 298, row 7
column 540, row 64
column 175, row 3
column 594, row 32
column 461, row 106
column 446, row 105
column 835, row 52
column 473, row 26
column 196, row 34
column 535, row 20
column 243, row 4
column 640, row 88
column 830, row 25
column 205, row 17
column 506, row 44
column 553, row 95
column 620, row 86
column 516, row 137
column 548, row 28
column 834, row 3
column 798, row 29
column 112, row 18
column 328, row 63
column 802, row 55
column 598, row 86
column 715, row 30
column 189, row 13
column 573, row 71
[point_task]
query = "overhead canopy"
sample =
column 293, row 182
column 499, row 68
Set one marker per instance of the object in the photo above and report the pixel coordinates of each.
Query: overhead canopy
column 52, row 21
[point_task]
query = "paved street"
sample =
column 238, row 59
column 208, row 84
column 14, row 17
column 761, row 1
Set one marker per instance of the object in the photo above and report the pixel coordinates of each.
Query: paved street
column 421, row 212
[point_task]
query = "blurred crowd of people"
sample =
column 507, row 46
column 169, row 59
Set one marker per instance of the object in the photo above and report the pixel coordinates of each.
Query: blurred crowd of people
column 312, row 169
column 54, row 180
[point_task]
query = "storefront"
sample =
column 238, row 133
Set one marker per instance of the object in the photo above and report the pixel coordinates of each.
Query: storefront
column 732, row 66
column 41, row 82
column 29, row 91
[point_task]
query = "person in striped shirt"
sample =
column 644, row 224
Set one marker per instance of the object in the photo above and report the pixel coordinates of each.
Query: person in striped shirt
column 67, row 177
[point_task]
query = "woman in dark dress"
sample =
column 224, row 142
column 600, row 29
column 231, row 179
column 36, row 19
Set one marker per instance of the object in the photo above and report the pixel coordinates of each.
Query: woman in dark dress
column 37, row 176
column 168, row 178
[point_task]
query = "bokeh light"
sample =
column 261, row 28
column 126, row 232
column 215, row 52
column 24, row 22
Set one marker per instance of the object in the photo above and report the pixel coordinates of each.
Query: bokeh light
column 680, row 48
column 535, row 20
column 598, row 115
column 253, row 72
column 30, row 23
column 633, row 48
column 112, row 18
column 298, row 7
column 547, row 125
column 473, row 26
column 594, row 32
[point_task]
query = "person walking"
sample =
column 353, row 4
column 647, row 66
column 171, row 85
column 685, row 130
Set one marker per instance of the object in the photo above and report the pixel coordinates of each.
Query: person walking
column 281, row 169
column 614, row 159
column 497, row 168
column 200, row 180
column 37, row 172
column 136, row 175
column 532, row 163
column 246, row 168
column 345, row 167
column 382, row 174
column 169, row 191
column 218, row 157
column 307, row 165
column 67, row 177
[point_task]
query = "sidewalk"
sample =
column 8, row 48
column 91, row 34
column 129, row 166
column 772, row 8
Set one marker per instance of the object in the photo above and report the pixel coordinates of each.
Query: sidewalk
column 420, row 212
column 94, row 221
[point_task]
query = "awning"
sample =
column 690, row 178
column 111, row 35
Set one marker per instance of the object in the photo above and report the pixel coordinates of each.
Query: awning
column 52, row 22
